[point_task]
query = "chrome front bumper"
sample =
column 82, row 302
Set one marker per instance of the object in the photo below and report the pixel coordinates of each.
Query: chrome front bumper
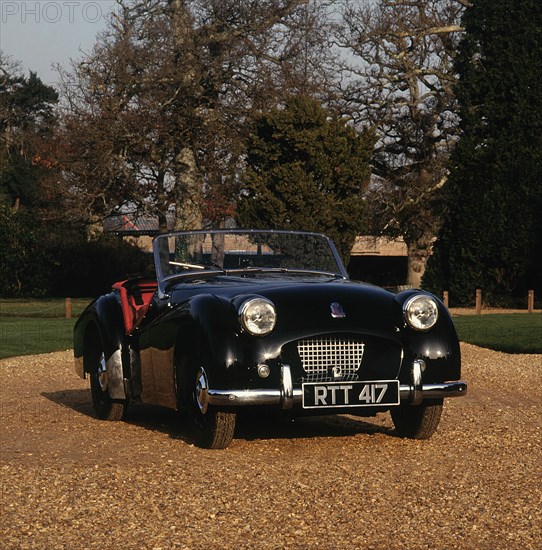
column 286, row 397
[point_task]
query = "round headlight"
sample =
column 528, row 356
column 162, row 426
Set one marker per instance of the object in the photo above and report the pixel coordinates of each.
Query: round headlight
column 421, row 312
column 258, row 316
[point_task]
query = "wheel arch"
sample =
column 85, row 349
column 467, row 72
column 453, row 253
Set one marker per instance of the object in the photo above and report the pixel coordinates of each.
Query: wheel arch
column 210, row 328
column 212, row 428
column 188, row 338
column 101, row 328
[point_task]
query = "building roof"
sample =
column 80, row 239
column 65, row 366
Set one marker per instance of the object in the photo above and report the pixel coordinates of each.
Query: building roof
column 136, row 225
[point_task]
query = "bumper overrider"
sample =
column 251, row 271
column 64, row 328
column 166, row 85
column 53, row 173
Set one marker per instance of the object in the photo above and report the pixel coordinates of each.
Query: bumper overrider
column 288, row 396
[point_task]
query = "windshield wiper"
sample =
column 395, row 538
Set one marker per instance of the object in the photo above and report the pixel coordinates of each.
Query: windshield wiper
column 281, row 270
column 186, row 265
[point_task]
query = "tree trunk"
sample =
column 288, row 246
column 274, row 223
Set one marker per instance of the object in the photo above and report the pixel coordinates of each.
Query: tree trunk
column 189, row 184
column 418, row 253
column 188, row 192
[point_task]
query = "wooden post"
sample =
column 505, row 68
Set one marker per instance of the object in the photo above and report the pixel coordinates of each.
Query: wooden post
column 530, row 301
column 478, row 301
column 445, row 298
column 68, row 308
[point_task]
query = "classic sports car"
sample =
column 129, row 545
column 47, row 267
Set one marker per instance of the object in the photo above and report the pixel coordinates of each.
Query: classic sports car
column 242, row 318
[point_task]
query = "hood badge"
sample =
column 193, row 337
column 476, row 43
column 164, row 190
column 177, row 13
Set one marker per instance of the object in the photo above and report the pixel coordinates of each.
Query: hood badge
column 337, row 311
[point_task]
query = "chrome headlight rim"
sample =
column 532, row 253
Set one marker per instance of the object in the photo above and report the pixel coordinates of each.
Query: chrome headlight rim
column 414, row 317
column 250, row 325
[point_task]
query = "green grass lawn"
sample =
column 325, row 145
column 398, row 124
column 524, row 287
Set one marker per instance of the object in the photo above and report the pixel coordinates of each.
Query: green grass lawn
column 30, row 327
column 509, row 332
column 28, row 336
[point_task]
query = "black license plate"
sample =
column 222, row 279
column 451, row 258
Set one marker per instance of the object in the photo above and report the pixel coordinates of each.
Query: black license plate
column 327, row 395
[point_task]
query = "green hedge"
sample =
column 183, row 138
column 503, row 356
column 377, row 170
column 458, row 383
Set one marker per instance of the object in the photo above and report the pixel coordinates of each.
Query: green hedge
column 39, row 259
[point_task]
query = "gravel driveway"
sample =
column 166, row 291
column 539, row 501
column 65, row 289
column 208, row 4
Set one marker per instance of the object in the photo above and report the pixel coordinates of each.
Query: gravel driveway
column 71, row 481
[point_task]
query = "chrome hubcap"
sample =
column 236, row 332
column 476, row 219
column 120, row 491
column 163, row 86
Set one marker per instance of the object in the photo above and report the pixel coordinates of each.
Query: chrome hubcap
column 202, row 391
column 102, row 373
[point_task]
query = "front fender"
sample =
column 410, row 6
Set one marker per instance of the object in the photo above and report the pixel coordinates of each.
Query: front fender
column 438, row 347
column 214, row 330
column 202, row 327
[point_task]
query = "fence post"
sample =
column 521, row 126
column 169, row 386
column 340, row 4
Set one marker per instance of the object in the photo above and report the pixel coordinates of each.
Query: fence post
column 445, row 298
column 478, row 301
column 530, row 301
column 68, row 308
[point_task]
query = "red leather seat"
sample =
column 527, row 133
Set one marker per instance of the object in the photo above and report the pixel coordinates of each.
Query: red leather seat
column 135, row 298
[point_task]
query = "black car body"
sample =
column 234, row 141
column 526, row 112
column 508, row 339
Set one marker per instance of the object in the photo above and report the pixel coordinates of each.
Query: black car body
column 243, row 318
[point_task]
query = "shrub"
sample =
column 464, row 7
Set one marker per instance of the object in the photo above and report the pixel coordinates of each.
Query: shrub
column 38, row 260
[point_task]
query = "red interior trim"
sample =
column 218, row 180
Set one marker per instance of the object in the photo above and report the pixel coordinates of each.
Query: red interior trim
column 135, row 298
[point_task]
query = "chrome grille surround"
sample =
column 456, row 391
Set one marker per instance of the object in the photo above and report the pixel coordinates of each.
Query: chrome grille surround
column 329, row 357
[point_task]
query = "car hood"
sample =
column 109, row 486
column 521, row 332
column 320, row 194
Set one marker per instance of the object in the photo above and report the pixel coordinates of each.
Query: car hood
column 307, row 302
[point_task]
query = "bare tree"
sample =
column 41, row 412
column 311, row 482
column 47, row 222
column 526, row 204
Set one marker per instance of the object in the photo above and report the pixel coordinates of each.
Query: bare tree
column 156, row 114
column 400, row 81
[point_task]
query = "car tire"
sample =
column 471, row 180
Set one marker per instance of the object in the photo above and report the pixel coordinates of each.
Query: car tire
column 211, row 428
column 105, row 407
column 417, row 421
column 215, row 429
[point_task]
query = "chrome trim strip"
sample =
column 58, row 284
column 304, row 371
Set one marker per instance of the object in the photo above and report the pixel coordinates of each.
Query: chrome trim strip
column 251, row 397
column 275, row 397
column 418, row 366
column 287, row 387
column 244, row 397
column 435, row 391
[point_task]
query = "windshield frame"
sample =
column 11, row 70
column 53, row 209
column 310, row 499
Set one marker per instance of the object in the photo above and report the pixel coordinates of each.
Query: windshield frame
column 208, row 271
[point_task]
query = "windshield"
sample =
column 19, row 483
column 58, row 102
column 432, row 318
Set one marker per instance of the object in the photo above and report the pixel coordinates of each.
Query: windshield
column 233, row 251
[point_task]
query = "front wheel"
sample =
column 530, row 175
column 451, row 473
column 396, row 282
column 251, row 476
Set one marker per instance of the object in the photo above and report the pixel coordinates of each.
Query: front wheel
column 417, row 421
column 212, row 428
column 105, row 407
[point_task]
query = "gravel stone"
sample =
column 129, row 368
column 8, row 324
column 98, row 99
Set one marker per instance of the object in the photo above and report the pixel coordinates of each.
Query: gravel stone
column 70, row 481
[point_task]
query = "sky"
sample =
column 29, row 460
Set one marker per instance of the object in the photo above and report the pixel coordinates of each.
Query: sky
column 40, row 33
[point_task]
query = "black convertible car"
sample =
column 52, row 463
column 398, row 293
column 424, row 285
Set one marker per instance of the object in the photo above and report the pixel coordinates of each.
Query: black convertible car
column 242, row 318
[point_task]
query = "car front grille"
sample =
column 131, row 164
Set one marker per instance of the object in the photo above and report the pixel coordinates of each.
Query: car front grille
column 330, row 357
